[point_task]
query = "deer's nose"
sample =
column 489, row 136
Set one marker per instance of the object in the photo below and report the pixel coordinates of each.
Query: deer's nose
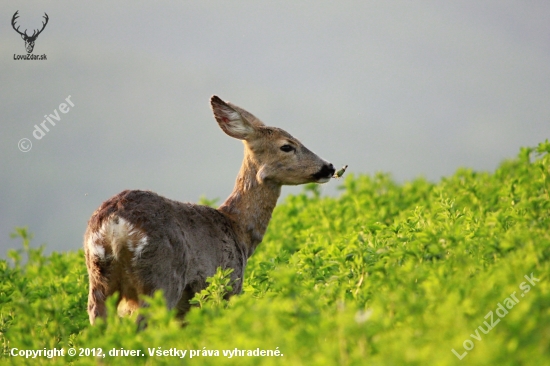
column 325, row 173
column 331, row 169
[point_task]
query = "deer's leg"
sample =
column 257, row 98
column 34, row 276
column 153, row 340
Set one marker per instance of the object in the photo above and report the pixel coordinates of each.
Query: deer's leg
column 99, row 273
column 183, row 305
column 128, row 302
column 107, row 277
column 98, row 290
column 96, row 305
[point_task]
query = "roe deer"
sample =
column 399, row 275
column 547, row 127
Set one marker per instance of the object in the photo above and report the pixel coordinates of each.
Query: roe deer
column 138, row 242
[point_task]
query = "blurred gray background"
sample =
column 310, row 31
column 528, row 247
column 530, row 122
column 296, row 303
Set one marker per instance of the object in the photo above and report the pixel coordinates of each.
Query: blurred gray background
column 415, row 88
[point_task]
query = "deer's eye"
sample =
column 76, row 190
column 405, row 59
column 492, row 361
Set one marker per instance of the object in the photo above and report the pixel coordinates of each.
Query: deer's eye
column 287, row 148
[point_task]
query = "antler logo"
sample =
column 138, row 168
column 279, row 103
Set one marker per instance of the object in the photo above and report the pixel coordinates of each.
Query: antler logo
column 29, row 40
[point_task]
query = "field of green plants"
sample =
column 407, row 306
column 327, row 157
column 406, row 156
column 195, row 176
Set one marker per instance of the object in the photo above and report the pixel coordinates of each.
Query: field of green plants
column 419, row 273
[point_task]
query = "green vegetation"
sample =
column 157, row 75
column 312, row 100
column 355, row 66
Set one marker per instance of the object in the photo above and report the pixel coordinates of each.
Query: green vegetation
column 385, row 274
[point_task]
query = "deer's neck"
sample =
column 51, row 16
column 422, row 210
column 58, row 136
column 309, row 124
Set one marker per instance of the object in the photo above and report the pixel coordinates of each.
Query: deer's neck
column 251, row 204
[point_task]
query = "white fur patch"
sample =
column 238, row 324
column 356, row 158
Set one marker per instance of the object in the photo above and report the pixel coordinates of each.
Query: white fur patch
column 118, row 232
column 139, row 247
column 95, row 248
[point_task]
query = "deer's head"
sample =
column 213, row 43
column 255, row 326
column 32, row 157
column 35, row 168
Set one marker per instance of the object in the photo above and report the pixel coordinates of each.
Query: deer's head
column 271, row 152
column 29, row 40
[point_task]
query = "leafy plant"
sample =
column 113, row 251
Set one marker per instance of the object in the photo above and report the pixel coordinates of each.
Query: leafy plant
column 385, row 274
column 216, row 294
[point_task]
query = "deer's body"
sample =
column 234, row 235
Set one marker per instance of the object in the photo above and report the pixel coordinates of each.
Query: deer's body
column 138, row 242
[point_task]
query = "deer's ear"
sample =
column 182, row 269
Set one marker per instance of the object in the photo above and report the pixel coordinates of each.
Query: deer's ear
column 23, row 36
column 231, row 121
column 247, row 115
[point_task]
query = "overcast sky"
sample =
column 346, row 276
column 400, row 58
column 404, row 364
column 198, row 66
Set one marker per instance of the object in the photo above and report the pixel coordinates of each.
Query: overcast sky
column 414, row 88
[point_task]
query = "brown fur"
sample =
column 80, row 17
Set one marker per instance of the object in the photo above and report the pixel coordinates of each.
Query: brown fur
column 138, row 242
